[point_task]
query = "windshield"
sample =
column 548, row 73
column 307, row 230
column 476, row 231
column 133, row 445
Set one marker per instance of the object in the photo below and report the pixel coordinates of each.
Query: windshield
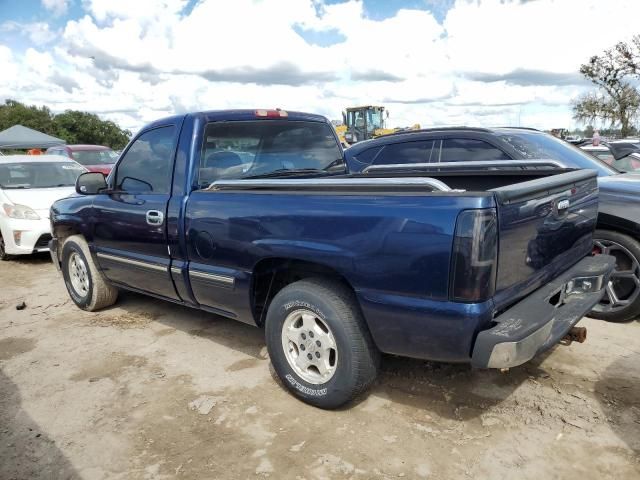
column 39, row 174
column 374, row 119
column 534, row 145
column 95, row 157
column 234, row 150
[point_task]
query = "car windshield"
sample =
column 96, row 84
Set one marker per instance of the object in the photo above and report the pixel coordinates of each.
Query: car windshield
column 95, row 157
column 534, row 145
column 39, row 174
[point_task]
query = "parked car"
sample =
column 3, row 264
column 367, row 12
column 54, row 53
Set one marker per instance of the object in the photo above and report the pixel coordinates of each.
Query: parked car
column 96, row 158
column 622, row 155
column 28, row 186
column 261, row 222
column 618, row 228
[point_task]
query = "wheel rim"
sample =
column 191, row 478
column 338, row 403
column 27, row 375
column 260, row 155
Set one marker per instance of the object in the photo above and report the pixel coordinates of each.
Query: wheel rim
column 309, row 346
column 624, row 285
column 78, row 274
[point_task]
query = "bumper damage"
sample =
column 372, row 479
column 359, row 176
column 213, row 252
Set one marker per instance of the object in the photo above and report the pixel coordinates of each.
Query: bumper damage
column 545, row 317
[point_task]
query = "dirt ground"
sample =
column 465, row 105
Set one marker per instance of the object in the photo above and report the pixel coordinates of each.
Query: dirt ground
column 151, row 390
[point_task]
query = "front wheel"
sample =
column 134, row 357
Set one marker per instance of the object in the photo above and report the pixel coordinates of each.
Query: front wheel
column 3, row 254
column 86, row 286
column 621, row 301
column 319, row 344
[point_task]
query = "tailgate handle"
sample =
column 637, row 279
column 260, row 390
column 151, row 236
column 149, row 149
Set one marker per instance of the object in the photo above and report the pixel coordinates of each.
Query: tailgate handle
column 155, row 217
column 561, row 207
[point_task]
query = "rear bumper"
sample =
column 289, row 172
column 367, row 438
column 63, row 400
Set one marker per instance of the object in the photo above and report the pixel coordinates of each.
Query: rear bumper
column 542, row 319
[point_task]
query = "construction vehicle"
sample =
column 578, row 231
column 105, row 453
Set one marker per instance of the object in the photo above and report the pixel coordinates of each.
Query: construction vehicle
column 363, row 123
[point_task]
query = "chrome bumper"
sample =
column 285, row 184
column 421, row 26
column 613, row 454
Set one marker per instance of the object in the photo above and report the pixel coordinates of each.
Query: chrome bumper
column 543, row 318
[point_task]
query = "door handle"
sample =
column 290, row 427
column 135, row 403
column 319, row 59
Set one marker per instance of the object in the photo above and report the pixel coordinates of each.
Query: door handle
column 155, row 217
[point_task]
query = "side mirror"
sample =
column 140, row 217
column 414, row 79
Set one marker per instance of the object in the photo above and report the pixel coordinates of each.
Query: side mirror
column 91, row 183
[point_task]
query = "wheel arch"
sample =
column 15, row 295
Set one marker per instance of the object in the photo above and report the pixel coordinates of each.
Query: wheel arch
column 63, row 231
column 618, row 224
column 270, row 275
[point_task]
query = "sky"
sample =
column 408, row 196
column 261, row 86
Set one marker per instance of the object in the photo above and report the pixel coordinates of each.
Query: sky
column 432, row 62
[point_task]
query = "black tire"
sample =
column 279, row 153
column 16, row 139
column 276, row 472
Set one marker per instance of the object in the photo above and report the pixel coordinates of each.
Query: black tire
column 625, row 256
column 357, row 358
column 99, row 293
column 3, row 254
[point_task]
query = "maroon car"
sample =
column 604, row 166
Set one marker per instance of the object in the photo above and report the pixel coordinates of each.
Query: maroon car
column 96, row 158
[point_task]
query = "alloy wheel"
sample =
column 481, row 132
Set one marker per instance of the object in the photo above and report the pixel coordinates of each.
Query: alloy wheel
column 623, row 287
column 78, row 274
column 309, row 346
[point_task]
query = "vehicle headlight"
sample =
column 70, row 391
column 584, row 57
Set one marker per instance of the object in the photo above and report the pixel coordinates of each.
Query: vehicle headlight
column 20, row 211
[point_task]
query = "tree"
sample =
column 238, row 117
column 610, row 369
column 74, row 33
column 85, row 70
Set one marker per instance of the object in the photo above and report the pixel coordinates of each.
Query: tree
column 82, row 127
column 72, row 126
column 15, row 113
column 616, row 101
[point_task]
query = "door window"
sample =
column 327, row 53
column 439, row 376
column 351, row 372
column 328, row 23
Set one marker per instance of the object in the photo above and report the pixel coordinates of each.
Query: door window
column 146, row 166
column 409, row 152
column 469, row 150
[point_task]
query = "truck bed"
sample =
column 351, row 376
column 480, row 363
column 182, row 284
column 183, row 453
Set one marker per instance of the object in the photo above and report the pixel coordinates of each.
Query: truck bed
column 391, row 238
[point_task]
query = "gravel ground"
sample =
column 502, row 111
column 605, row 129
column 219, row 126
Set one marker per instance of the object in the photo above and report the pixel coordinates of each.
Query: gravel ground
column 148, row 390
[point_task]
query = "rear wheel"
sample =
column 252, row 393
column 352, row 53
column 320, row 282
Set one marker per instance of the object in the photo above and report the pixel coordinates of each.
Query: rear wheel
column 319, row 344
column 621, row 301
column 86, row 286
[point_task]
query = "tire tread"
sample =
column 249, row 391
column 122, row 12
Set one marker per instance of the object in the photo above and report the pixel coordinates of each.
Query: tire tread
column 103, row 294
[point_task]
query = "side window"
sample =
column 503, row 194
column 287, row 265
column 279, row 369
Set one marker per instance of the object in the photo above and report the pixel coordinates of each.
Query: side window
column 146, row 167
column 468, row 150
column 605, row 157
column 368, row 155
column 409, row 152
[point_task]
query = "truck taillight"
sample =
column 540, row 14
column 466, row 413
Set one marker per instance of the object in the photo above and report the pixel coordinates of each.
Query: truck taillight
column 271, row 113
column 475, row 256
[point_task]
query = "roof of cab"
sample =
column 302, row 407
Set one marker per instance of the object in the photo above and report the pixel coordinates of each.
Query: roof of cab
column 404, row 135
column 238, row 114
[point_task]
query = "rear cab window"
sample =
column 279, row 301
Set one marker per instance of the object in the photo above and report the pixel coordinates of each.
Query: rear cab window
column 246, row 149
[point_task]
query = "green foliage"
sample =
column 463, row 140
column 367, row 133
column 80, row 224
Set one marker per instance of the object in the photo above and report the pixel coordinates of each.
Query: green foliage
column 617, row 100
column 588, row 131
column 72, row 126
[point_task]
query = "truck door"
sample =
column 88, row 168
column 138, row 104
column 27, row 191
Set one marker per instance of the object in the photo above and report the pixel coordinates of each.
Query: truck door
column 130, row 234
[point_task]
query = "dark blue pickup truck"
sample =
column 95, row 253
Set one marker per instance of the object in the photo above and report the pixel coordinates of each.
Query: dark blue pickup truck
column 252, row 214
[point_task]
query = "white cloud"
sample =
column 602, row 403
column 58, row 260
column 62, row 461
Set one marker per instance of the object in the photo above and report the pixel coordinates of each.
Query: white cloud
column 57, row 7
column 38, row 33
column 489, row 62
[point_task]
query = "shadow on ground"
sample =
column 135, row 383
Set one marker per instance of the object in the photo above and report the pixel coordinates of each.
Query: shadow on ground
column 618, row 391
column 224, row 331
column 452, row 391
column 25, row 451
column 35, row 259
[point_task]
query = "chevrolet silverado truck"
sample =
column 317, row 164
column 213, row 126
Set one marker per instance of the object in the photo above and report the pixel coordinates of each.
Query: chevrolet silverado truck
column 253, row 215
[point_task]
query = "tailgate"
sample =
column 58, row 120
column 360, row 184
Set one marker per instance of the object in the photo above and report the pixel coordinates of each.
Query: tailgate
column 545, row 226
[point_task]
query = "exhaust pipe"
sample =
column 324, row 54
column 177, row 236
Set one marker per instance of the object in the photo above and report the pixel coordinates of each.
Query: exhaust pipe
column 576, row 334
